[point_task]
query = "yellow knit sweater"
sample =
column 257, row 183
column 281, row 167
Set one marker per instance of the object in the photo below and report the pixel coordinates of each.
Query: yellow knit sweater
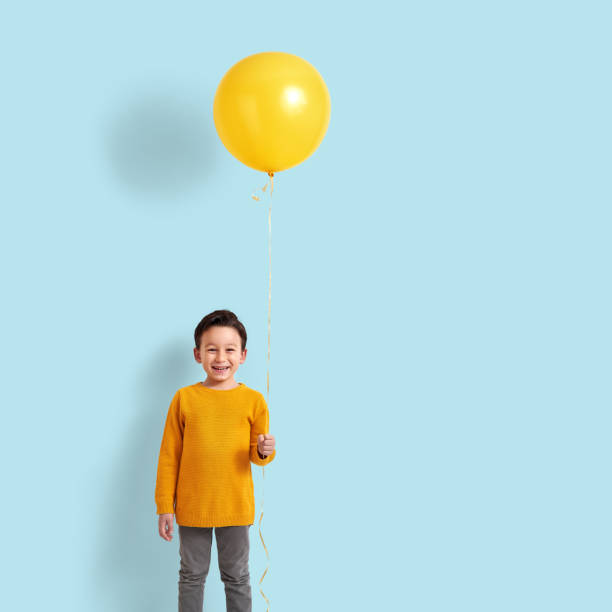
column 209, row 442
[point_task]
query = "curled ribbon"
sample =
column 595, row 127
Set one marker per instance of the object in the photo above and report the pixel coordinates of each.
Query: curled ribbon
column 263, row 469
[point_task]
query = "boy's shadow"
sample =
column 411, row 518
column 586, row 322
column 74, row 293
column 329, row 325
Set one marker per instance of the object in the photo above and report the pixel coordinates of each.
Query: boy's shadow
column 136, row 569
column 161, row 145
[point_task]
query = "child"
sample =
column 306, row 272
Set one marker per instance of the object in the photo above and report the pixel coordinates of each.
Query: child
column 214, row 430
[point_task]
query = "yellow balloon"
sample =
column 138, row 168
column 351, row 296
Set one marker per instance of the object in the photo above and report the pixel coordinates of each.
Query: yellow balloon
column 271, row 110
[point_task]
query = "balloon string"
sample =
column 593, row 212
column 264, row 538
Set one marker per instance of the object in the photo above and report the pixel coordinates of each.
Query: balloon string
column 263, row 470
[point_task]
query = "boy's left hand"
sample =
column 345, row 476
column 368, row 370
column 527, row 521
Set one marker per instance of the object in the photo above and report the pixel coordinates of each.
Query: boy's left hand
column 265, row 444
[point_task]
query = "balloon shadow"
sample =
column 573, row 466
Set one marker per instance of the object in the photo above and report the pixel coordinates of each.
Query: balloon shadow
column 161, row 145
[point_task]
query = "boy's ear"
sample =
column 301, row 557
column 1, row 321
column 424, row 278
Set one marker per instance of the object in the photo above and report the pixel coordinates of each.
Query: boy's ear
column 196, row 354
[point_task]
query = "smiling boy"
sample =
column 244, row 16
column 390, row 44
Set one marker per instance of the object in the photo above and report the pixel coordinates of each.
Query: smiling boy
column 214, row 430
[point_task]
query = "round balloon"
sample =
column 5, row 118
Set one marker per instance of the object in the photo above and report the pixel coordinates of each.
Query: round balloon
column 271, row 110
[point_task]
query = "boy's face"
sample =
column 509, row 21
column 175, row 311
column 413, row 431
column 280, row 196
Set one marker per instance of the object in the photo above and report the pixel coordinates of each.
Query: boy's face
column 220, row 348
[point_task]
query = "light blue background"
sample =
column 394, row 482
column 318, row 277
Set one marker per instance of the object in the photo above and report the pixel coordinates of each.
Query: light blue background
column 440, row 365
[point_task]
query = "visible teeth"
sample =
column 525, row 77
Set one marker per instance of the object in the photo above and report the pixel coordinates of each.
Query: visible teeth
column 220, row 369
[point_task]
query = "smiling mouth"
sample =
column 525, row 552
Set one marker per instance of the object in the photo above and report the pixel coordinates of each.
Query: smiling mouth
column 220, row 369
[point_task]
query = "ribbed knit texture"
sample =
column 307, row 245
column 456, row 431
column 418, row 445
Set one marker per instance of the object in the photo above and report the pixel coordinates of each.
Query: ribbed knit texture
column 209, row 441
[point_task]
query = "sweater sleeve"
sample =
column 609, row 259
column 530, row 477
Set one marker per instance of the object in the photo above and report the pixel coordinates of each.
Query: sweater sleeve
column 169, row 458
column 259, row 426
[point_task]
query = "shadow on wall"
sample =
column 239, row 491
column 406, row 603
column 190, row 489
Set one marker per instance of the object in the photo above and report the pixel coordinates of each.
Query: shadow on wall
column 162, row 144
column 135, row 569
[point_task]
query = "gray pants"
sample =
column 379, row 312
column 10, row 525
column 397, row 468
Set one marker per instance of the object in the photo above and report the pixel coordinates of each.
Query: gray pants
column 233, row 555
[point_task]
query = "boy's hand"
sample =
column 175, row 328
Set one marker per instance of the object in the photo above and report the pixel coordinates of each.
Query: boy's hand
column 265, row 444
column 166, row 526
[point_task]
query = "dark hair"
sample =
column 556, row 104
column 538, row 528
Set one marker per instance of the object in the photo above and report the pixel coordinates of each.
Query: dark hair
column 221, row 318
